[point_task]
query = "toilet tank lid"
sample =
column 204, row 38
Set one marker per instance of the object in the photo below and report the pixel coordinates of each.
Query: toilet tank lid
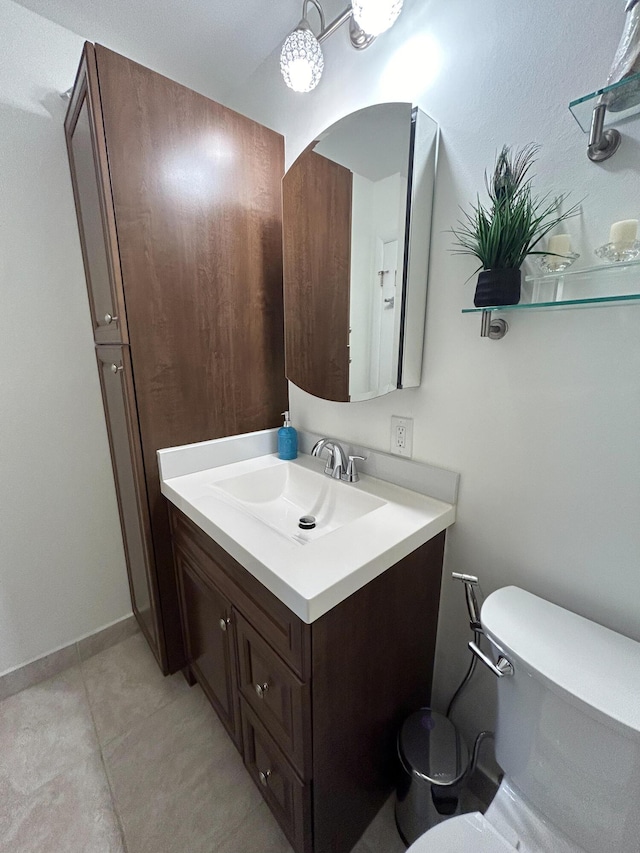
column 588, row 664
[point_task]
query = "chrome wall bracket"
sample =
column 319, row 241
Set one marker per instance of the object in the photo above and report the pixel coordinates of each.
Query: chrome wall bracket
column 491, row 328
column 359, row 39
column 602, row 143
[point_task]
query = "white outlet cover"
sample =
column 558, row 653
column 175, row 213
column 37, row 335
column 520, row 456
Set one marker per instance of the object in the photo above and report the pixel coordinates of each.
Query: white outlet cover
column 407, row 424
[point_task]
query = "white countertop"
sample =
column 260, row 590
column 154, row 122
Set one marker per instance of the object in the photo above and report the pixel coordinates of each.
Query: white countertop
column 311, row 578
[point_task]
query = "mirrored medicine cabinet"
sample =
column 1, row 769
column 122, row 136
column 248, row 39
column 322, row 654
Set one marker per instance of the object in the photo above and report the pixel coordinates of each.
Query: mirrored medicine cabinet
column 357, row 221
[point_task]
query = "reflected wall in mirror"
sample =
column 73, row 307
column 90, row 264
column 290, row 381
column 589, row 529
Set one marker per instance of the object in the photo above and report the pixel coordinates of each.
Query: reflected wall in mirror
column 357, row 223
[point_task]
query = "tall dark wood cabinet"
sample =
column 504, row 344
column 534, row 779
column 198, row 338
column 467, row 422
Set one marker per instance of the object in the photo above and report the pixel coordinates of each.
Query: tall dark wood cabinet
column 179, row 211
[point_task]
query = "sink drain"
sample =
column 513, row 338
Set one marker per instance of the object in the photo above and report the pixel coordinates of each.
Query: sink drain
column 307, row 522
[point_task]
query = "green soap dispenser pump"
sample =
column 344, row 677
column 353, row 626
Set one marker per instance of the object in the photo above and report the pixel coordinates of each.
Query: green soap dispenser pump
column 287, row 439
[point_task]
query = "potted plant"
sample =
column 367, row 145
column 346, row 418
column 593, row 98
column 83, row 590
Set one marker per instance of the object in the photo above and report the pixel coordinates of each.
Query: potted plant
column 503, row 232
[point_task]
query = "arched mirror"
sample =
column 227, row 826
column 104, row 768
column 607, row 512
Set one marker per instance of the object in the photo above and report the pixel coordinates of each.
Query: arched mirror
column 357, row 221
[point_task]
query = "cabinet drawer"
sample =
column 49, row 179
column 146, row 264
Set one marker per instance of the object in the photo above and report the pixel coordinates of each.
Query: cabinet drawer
column 284, row 631
column 288, row 798
column 276, row 695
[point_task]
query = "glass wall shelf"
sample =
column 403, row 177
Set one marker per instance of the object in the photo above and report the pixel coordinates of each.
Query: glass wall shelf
column 622, row 100
column 599, row 285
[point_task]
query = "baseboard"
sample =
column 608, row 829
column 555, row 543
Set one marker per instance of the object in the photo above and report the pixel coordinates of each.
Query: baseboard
column 51, row 664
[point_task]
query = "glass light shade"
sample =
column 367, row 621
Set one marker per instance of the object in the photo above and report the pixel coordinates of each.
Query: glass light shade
column 301, row 60
column 376, row 16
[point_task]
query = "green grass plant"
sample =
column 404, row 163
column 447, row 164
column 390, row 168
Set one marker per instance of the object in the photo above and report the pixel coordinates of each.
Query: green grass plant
column 502, row 233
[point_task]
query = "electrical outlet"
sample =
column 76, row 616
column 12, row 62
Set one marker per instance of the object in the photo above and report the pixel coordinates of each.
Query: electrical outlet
column 402, row 436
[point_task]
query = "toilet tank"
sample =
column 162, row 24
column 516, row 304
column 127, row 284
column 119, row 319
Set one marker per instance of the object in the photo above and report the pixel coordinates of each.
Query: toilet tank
column 568, row 725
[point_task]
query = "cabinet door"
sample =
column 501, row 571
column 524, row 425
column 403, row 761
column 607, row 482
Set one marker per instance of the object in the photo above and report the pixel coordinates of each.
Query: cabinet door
column 209, row 635
column 94, row 205
column 119, row 403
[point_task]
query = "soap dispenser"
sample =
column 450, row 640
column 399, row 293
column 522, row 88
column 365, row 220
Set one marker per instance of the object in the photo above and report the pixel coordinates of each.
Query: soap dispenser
column 287, row 439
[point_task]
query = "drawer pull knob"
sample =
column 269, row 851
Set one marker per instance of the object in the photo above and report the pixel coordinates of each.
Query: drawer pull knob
column 223, row 623
column 116, row 368
column 261, row 689
column 109, row 318
column 264, row 777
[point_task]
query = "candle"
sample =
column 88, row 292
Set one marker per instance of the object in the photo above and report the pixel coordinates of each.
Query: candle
column 624, row 232
column 559, row 244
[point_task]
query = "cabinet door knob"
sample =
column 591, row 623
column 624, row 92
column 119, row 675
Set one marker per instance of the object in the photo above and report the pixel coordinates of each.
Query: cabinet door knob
column 116, row 368
column 224, row 622
column 261, row 689
column 109, row 318
column 264, row 777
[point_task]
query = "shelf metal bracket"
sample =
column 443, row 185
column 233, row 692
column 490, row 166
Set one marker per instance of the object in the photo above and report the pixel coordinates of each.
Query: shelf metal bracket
column 494, row 329
column 602, row 143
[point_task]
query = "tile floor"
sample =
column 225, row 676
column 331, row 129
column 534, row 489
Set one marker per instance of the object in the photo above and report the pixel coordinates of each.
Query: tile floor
column 110, row 757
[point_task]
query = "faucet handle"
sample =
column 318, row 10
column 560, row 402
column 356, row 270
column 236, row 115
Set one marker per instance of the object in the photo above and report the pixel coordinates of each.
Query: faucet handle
column 351, row 475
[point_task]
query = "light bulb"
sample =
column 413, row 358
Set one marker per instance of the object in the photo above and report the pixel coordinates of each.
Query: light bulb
column 301, row 60
column 376, row 16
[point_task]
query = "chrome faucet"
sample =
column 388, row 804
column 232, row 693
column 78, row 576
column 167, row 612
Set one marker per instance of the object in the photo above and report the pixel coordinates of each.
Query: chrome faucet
column 337, row 465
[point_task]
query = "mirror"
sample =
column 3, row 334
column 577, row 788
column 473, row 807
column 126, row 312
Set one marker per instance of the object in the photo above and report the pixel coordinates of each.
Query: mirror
column 356, row 228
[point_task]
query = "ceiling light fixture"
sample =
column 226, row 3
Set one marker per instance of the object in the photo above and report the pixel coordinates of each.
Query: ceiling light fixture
column 301, row 58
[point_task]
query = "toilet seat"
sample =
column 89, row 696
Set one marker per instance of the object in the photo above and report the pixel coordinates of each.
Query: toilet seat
column 468, row 832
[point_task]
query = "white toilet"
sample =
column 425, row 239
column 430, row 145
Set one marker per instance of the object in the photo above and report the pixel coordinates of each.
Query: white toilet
column 567, row 737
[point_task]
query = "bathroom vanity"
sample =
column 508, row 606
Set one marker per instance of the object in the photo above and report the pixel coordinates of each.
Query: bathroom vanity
column 311, row 650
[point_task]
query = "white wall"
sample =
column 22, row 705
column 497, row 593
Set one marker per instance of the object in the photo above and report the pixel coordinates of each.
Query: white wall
column 543, row 425
column 62, row 571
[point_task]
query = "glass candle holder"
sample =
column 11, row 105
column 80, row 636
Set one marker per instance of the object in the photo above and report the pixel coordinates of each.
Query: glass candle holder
column 614, row 253
column 557, row 263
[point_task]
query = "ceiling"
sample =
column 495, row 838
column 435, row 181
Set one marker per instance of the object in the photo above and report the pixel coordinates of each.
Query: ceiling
column 212, row 46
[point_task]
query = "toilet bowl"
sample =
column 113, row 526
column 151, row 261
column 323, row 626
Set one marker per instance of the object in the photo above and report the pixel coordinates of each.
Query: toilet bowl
column 470, row 832
column 567, row 737
column 510, row 824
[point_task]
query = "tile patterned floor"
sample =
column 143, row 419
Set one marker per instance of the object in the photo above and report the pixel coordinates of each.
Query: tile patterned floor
column 110, row 757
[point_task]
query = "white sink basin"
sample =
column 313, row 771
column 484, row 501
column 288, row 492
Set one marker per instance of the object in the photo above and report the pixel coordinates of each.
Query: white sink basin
column 282, row 495
column 239, row 493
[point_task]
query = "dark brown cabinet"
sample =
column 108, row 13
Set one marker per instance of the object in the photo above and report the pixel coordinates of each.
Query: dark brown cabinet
column 179, row 212
column 320, row 705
